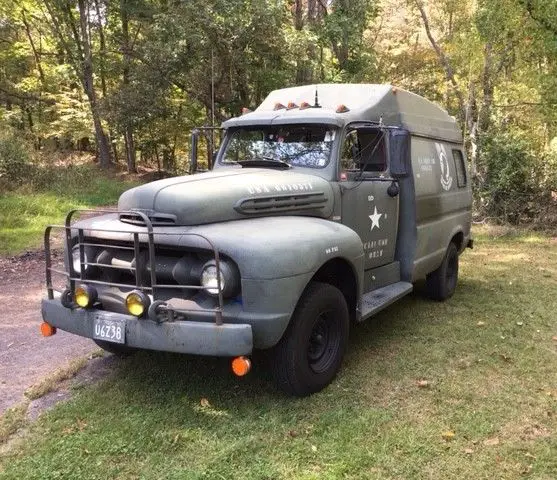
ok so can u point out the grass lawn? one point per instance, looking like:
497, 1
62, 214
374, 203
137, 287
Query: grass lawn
24, 213
465, 389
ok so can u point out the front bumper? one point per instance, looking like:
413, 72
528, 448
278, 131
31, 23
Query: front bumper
199, 338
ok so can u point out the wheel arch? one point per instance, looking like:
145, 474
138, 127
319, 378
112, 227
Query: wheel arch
342, 274
458, 240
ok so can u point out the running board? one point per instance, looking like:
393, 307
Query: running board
376, 300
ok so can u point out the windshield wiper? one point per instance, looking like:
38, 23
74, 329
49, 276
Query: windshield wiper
269, 162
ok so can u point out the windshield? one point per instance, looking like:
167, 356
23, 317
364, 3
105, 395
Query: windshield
297, 145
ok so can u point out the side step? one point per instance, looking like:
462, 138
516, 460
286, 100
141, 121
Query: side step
376, 300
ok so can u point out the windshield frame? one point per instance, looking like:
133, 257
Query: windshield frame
230, 132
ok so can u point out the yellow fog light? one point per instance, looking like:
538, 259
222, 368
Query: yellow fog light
85, 296
137, 303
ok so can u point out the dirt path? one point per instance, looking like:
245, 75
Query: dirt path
25, 356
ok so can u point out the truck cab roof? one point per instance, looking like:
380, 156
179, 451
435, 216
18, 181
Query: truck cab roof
392, 106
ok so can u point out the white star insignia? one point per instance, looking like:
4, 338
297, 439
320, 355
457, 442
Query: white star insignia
375, 219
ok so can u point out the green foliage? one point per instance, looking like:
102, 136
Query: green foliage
49, 193
509, 165
515, 184
159, 69
14, 161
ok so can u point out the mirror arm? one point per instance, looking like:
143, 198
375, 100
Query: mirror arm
194, 143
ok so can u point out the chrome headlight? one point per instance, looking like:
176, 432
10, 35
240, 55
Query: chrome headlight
229, 277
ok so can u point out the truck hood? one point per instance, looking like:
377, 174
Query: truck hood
228, 194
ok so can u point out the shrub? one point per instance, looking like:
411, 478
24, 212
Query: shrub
15, 161
515, 185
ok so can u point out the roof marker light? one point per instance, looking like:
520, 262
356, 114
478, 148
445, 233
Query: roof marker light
304, 105
342, 109
279, 106
291, 106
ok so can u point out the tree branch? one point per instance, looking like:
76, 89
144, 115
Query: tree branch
449, 72
542, 21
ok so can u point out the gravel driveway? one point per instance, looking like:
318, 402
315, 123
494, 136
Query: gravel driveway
25, 356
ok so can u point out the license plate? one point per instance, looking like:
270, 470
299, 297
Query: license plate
109, 330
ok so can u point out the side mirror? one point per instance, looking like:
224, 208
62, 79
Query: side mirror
399, 149
194, 143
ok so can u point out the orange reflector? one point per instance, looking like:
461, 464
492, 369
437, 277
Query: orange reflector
241, 366
47, 330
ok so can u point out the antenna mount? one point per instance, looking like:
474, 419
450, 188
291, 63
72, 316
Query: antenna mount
316, 104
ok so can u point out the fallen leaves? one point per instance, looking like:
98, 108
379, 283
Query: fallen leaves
491, 442
204, 403
423, 383
448, 436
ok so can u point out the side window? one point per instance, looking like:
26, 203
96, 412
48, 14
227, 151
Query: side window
364, 149
460, 168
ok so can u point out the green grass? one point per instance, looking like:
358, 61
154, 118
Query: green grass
489, 409
24, 213
12, 420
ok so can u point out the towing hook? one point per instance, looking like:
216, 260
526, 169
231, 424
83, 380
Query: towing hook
156, 309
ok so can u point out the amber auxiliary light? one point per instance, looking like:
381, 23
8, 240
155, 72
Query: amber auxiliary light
241, 366
85, 296
137, 303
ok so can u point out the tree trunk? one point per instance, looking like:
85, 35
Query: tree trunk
128, 129
33, 48
105, 158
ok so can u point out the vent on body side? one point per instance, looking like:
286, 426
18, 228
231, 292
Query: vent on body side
281, 203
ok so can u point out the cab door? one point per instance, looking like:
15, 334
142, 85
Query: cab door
369, 194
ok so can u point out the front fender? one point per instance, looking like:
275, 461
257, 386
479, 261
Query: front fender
277, 247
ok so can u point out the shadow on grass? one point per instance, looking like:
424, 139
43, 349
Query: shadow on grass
154, 377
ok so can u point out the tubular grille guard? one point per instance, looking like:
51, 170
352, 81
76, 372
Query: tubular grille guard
138, 270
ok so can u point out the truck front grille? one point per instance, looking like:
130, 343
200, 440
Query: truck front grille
157, 219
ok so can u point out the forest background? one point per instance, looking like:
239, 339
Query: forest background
126, 81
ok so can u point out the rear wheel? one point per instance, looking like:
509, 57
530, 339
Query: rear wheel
441, 283
310, 353
116, 348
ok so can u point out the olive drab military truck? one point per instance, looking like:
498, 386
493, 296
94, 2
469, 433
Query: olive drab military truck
323, 207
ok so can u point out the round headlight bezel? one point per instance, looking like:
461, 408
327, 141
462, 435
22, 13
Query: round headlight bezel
229, 276
209, 279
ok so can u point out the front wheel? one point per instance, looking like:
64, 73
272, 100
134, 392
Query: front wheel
441, 283
310, 353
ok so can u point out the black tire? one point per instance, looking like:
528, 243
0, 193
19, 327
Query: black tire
441, 283
116, 348
310, 353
